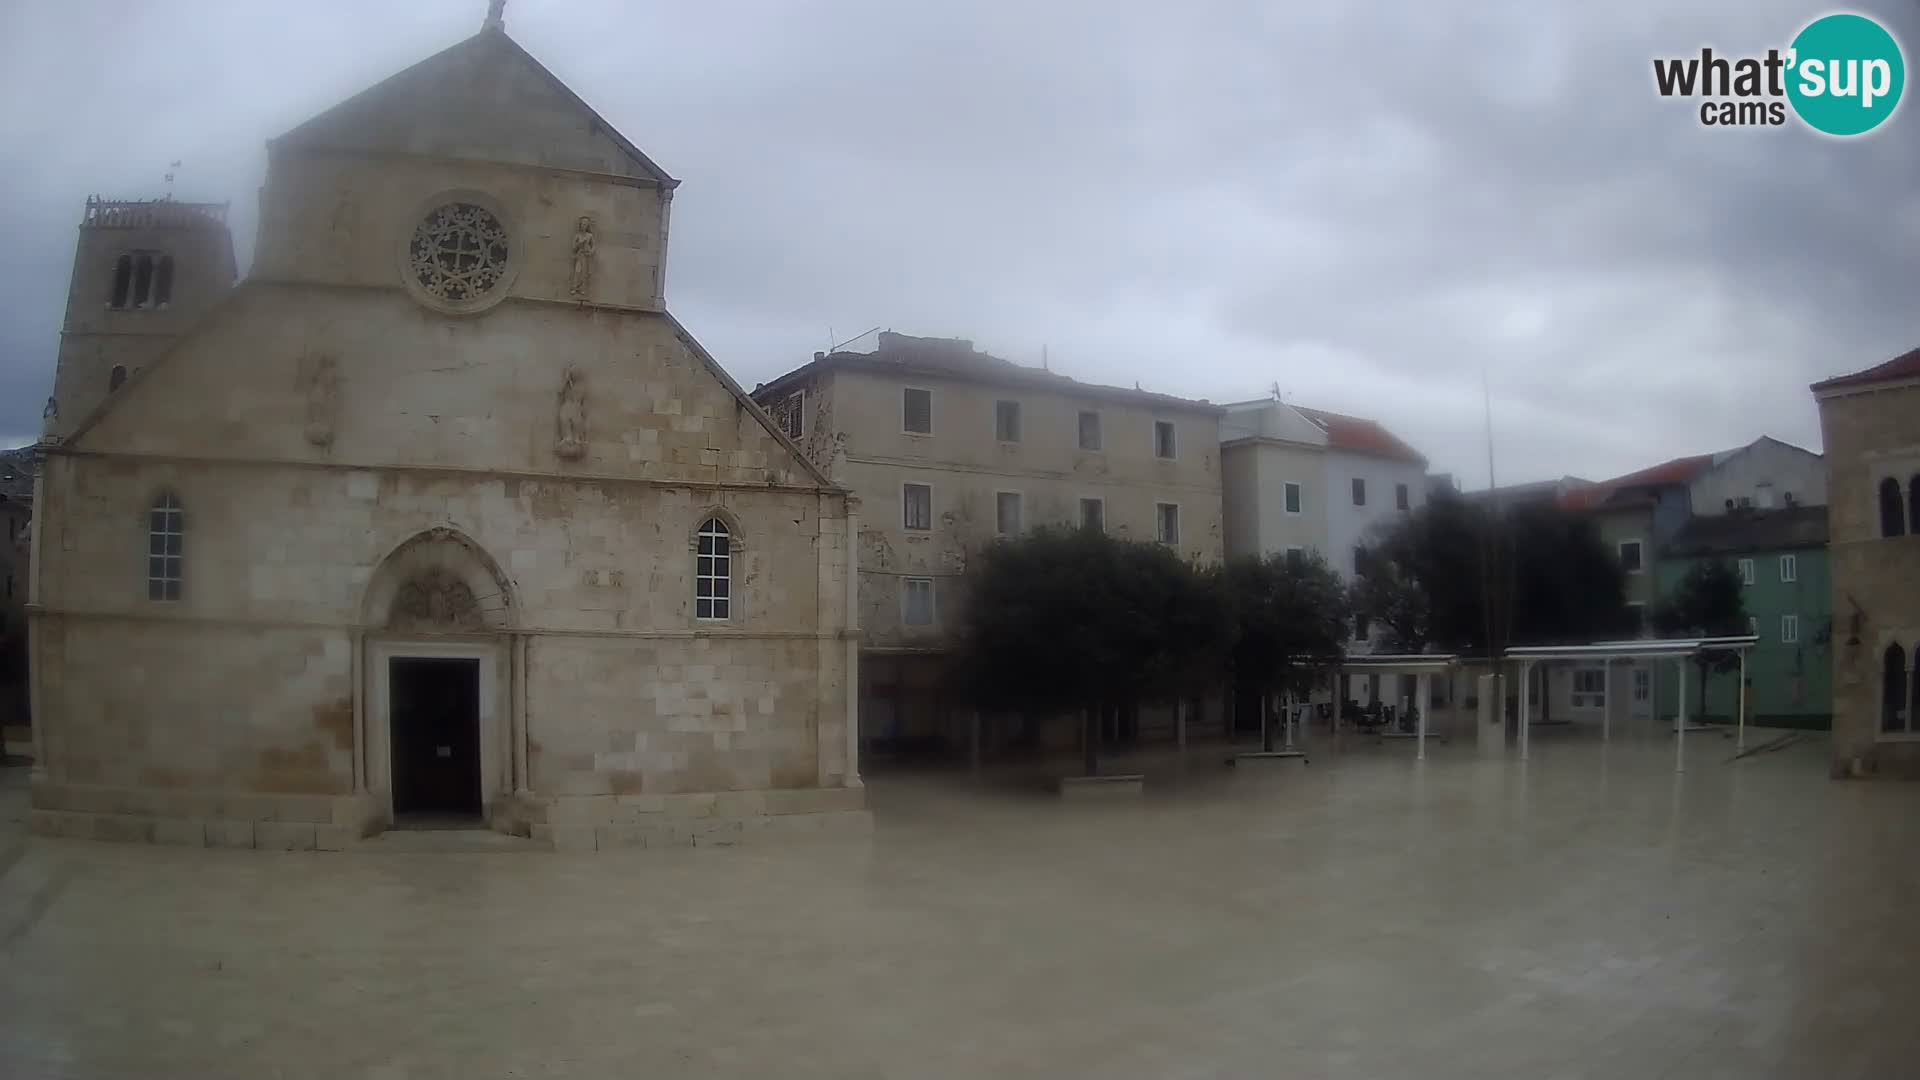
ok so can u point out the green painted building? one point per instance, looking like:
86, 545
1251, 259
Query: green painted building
1782, 559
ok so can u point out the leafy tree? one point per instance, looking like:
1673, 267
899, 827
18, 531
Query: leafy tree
1486, 579
1387, 593
1290, 619
1072, 620
1708, 601
1568, 583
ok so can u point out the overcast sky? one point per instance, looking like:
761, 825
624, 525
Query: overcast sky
1367, 203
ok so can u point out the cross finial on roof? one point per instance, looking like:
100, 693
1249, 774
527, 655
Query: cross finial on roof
496, 15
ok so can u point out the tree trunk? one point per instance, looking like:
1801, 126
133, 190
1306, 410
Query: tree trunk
1089, 763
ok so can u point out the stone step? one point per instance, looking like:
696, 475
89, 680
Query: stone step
416, 841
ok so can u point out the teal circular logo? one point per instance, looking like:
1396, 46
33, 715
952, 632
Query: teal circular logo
1846, 74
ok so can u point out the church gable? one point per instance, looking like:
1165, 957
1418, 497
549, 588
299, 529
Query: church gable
484, 99
291, 374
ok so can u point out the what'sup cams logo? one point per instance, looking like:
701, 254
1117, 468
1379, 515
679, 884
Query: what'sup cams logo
1842, 75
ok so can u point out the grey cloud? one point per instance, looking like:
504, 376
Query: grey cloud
1368, 204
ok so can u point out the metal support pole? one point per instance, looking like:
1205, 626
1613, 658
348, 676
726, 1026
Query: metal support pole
1339, 702
1424, 691
1526, 705
1680, 722
1606, 700
1740, 742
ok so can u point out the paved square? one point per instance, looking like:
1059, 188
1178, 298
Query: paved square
1587, 914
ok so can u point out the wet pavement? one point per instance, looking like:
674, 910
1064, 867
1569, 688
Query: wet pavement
1589, 913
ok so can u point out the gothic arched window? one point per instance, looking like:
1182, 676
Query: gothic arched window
163, 282
713, 571
1892, 514
142, 280
122, 282
166, 534
1894, 716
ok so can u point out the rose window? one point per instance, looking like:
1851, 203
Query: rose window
459, 253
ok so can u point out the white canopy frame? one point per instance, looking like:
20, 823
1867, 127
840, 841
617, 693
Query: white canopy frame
1421, 665
1679, 650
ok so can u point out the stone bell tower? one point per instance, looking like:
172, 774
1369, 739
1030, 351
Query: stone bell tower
143, 272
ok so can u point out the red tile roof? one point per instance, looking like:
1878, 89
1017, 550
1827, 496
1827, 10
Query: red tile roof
1362, 436
1680, 470
1904, 366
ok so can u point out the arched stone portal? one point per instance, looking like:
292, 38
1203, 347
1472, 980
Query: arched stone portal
441, 732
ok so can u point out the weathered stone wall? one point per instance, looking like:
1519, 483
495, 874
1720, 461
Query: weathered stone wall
413, 387
223, 686
618, 716
177, 706
967, 466
346, 219
1876, 581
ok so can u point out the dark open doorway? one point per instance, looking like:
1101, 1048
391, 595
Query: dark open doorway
435, 720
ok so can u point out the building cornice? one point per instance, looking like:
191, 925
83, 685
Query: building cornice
1866, 388
458, 471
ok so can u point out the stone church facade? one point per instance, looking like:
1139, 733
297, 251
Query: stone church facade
438, 515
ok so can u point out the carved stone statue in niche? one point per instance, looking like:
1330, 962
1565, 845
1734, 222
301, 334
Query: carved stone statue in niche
435, 600
322, 393
582, 258
572, 441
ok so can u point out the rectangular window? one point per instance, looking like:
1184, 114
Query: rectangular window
166, 530
916, 411
916, 601
1359, 559
1163, 443
1292, 495
916, 507
1168, 515
1007, 513
1359, 492
1089, 431
1589, 688
1790, 629
1006, 421
793, 413
1402, 498
1631, 559
1789, 568
1296, 556
1093, 514
1746, 571
1642, 685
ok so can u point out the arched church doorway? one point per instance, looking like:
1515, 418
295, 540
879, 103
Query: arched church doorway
438, 745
